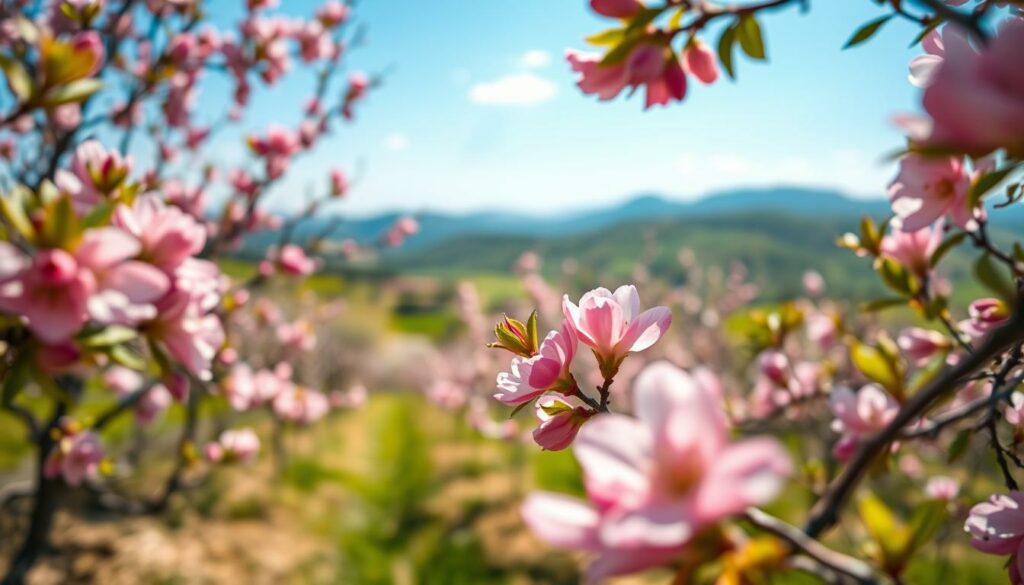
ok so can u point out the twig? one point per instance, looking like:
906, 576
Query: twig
835, 561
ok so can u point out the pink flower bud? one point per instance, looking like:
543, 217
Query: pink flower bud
700, 62
616, 8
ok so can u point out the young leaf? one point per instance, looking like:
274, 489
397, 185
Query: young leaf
867, 31
985, 183
72, 92
749, 33
607, 38
944, 248
873, 364
18, 79
996, 278
725, 45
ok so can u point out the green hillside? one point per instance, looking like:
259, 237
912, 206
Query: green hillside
776, 249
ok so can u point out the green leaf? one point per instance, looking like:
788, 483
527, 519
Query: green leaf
959, 445
73, 92
897, 277
677, 19
607, 38
867, 31
725, 49
882, 304
880, 523
985, 183
996, 278
531, 330
925, 521
17, 377
13, 208
18, 79
99, 215
642, 18
113, 335
944, 248
749, 34
61, 227
619, 53
516, 410
873, 364
924, 32
125, 357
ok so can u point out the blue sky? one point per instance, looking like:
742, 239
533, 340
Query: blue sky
479, 111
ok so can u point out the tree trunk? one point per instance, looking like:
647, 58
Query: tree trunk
44, 507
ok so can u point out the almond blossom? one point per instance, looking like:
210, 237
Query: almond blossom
528, 378
241, 445
859, 415
657, 481
996, 527
612, 325
76, 456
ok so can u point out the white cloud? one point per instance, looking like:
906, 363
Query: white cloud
397, 142
535, 59
522, 89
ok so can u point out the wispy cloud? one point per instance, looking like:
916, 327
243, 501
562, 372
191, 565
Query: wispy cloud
397, 142
521, 89
535, 59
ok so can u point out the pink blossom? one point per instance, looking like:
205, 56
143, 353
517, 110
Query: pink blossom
997, 528
187, 330
821, 328
355, 397
616, 8
89, 46
985, 315
300, 405
860, 414
656, 482
927, 189
234, 445
560, 421
167, 234
292, 260
612, 325
976, 99
51, 294
358, 84
913, 249
924, 67
125, 289
239, 387
332, 13
76, 456
814, 283
650, 65
700, 61
339, 183
1015, 410
528, 378
942, 488
298, 336
920, 345
98, 170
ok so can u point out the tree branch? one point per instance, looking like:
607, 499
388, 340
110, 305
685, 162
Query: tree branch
825, 512
835, 561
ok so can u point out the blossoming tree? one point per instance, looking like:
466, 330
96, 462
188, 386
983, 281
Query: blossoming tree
674, 484
108, 246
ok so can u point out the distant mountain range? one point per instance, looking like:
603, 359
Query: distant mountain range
436, 227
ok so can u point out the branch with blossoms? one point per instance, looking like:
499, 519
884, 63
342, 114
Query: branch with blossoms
655, 479
109, 274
